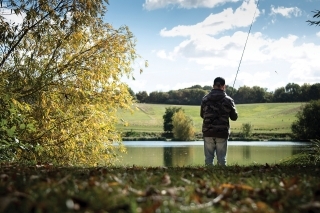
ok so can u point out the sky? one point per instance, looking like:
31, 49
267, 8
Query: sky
191, 42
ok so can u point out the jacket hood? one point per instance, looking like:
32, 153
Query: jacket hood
215, 95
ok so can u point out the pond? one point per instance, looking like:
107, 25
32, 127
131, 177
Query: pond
168, 153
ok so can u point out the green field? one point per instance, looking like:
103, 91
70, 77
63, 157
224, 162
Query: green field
265, 117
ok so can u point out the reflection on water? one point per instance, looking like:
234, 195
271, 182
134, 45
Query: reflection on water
176, 156
160, 153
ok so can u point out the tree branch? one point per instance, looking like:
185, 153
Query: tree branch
316, 15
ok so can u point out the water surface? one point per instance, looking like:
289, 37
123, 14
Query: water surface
190, 153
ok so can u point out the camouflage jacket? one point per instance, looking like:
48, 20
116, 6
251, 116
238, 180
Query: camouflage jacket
216, 109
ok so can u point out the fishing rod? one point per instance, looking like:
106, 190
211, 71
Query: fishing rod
245, 45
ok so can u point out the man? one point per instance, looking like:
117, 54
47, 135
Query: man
216, 109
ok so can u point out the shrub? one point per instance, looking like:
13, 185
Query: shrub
307, 125
183, 128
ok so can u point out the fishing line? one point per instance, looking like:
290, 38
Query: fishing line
245, 44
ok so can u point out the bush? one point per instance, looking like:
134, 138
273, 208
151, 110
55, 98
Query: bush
183, 128
246, 130
307, 125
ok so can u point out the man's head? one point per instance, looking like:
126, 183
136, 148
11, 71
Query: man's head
219, 83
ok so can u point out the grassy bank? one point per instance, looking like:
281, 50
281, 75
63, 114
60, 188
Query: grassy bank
259, 188
158, 136
269, 120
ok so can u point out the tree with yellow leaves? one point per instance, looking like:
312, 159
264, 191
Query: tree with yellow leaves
60, 86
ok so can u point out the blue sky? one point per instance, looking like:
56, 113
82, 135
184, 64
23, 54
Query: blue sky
189, 42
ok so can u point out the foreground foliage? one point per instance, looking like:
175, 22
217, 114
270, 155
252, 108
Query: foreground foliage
259, 188
60, 82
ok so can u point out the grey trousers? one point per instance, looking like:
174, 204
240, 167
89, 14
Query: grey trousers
218, 146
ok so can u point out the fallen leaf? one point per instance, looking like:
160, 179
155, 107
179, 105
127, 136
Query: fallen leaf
311, 207
4, 177
152, 208
165, 180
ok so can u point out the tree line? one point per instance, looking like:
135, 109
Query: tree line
292, 92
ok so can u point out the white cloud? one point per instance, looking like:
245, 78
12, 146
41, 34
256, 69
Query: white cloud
217, 23
226, 51
318, 34
157, 4
255, 79
223, 53
286, 11
162, 54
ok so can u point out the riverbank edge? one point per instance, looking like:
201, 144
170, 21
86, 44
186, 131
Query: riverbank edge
230, 139
143, 136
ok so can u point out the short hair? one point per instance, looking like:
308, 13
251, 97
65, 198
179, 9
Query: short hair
219, 81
